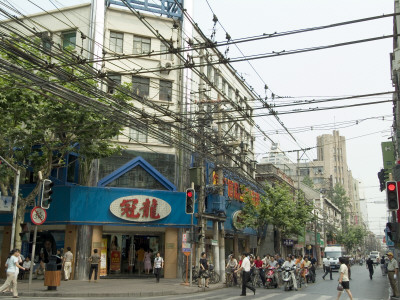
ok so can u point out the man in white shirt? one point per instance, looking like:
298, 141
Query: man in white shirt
246, 274
327, 265
289, 263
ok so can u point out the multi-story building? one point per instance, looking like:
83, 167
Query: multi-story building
178, 119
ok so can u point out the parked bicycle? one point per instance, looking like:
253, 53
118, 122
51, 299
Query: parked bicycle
195, 275
214, 277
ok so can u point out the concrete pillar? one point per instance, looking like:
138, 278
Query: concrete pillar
97, 238
216, 247
171, 253
83, 247
70, 241
236, 246
222, 252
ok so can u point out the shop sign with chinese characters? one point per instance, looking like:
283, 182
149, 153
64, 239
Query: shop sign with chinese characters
140, 208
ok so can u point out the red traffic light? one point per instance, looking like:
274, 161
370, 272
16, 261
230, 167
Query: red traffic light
391, 187
189, 194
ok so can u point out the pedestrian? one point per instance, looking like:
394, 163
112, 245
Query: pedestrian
347, 262
393, 270
12, 266
344, 279
370, 267
158, 265
328, 269
94, 260
246, 274
67, 260
383, 265
27, 264
147, 261
203, 270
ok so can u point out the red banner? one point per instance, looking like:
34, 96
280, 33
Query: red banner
115, 263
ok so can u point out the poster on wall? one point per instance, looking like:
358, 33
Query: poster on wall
115, 262
103, 254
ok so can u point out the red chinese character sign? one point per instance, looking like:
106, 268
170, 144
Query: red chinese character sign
140, 208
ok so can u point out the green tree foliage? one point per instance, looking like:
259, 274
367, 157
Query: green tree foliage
38, 129
277, 207
308, 181
351, 237
342, 202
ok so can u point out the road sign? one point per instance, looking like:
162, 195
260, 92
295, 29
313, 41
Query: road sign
186, 247
38, 215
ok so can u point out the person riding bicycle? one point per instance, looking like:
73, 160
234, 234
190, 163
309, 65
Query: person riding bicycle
258, 263
232, 265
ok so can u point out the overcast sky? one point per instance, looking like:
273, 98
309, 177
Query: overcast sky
351, 70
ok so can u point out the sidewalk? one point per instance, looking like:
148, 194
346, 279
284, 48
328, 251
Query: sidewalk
111, 288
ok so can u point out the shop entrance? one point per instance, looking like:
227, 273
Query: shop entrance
130, 254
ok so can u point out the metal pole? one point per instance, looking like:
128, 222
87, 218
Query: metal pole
32, 257
14, 221
192, 242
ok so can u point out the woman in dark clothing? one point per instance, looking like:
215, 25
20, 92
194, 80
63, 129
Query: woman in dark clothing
203, 270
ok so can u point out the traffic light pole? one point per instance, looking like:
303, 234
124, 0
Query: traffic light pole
16, 191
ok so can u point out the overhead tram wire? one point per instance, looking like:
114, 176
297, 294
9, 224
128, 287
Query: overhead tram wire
233, 159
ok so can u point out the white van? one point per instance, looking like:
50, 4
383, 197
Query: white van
334, 252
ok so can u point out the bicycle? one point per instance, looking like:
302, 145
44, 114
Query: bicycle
229, 277
214, 277
195, 275
256, 280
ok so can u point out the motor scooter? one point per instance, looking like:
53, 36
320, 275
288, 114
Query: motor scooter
287, 278
271, 278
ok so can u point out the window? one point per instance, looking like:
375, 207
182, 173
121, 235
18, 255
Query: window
166, 133
68, 39
141, 45
137, 136
116, 42
116, 80
210, 72
167, 56
216, 78
46, 40
223, 86
140, 85
165, 90
230, 92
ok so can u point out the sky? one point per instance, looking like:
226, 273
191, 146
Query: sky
350, 70
343, 71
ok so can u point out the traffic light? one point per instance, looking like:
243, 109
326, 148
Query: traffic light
46, 193
383, 176
190, 201
391, 195
197, 234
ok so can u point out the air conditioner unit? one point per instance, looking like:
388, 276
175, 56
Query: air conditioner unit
165, 68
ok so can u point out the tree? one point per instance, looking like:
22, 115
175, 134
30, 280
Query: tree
277, 207
342, 202
351, 237
308, 182
38, 129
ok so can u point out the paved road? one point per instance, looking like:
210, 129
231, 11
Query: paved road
361, 286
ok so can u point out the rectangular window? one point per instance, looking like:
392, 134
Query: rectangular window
141, 85
223, 86
137, 136
216, 78
141, 45
165, 90
210, 72
166, 132
164, 49
68, 39
116, 41
230, 92
115, 81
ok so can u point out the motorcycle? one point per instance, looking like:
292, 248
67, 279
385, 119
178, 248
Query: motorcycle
287, 278
271, 278
311, 275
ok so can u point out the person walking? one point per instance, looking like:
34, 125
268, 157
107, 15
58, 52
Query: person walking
67, 260
158, 265
383, 266
327, 265
344, 279
203, 270
246, 274
94, 260
12, 266
370, 267
147, 261
393, 270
